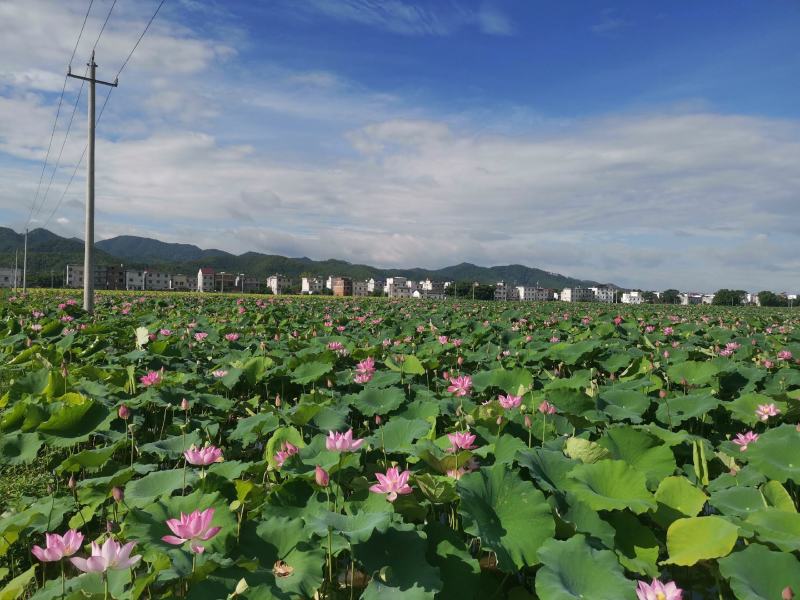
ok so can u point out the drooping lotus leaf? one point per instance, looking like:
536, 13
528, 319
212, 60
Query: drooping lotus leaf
510, 515
677, 497
574, 570
776, 527
642, 450
776, 454
675, 409
694, 539
459, 570
610, 485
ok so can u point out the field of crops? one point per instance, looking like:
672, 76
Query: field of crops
274, 447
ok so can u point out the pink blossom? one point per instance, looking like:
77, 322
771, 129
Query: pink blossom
555, 339
231, 337
457, 342
744, 440
461, 440
784, 355
617, 320
282, 455
219, 373
460, 386
366, 366
165, 332
335, 346
200, 336
362, 378
668, 331
442, 339
111, 555
342, 442
321, 476
193, 528
546, 408
202, 457
58, 546
768, 364
765, 411
725, 352
123, 412
658, 591
152, 378
393, 483
649, 329
509, 402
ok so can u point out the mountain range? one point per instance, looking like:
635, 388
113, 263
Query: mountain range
49, 253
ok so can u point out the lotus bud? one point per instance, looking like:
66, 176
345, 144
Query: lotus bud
277, 401
460, 360
118, 494
787, 593
241, 587
528, 422
499, 420
662, 394
378, 420
321, 476
124, 412
71, 482
184, 404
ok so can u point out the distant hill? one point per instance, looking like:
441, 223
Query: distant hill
48, 251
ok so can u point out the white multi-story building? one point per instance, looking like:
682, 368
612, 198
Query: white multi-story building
10, 277
689, 298
246, 285
360, 288
502, 292
533, 294
577, 294
147, 280
278, 283
311, 285
205, 279
375, 285
397, 290
604, 293
632, 297
179, 282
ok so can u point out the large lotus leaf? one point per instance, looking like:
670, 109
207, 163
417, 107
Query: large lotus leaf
636, 546
744, 407
588, 521
737, 501
256, 368
395, 559
573, 570
378, 401
692, 372
694, 539
610, 485
642, 450
549, 468
677, 497
406, 365
573, 353
172, 447
356, 528
674, 410
436, 488
776, 527
19, 448
91, 460
311, 371
776, 496
512, 381
248, 429
624, 404
460, 572
757, 573
74, 423
510, 515
141, 492
506, 447
777, 453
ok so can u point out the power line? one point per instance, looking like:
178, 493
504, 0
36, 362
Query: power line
74, 108
103, 107
55, 121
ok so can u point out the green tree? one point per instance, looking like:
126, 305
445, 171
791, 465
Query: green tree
650, 297
767, 298
670, 296
726, 297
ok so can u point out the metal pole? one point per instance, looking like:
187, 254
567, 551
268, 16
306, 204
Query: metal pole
16, 268
88, 258
25, 264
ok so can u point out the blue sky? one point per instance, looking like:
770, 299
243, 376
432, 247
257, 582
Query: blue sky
650, 144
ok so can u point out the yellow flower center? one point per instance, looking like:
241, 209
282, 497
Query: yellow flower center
660, 596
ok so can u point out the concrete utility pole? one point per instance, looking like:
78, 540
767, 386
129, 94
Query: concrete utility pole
25, 263
88, 252
16, 269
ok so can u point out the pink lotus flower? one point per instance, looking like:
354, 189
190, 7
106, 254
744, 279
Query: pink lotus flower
658, 591
200, 336
335, 346
342, 442
765, 411
366, 366
555, 339
152, 378
231, 337
546, 408
461, 440
111, 555
617, 320
768, 364
321, 476
219, 373
124, 412
363, 378
460, 386
165, 332
784, 355
202, 457
393, 483
668, 331
509, 402
443, 339
193, 528
287, 450
744, 440
457, 342
58, 546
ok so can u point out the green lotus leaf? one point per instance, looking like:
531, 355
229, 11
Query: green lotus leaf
610, 485
141, 492
356, 528
75, 423
642, 450
776, 527
744, 407
547, 467
776, 496
693, 539
737, 501
674, 410
459, 571
677, 497
757, 573
624, 404
19, 448
573, 570
585, 450
510, 515
776, 454
311, 371
692, 372
378, 401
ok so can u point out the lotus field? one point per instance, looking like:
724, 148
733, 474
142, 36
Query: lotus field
217, 447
